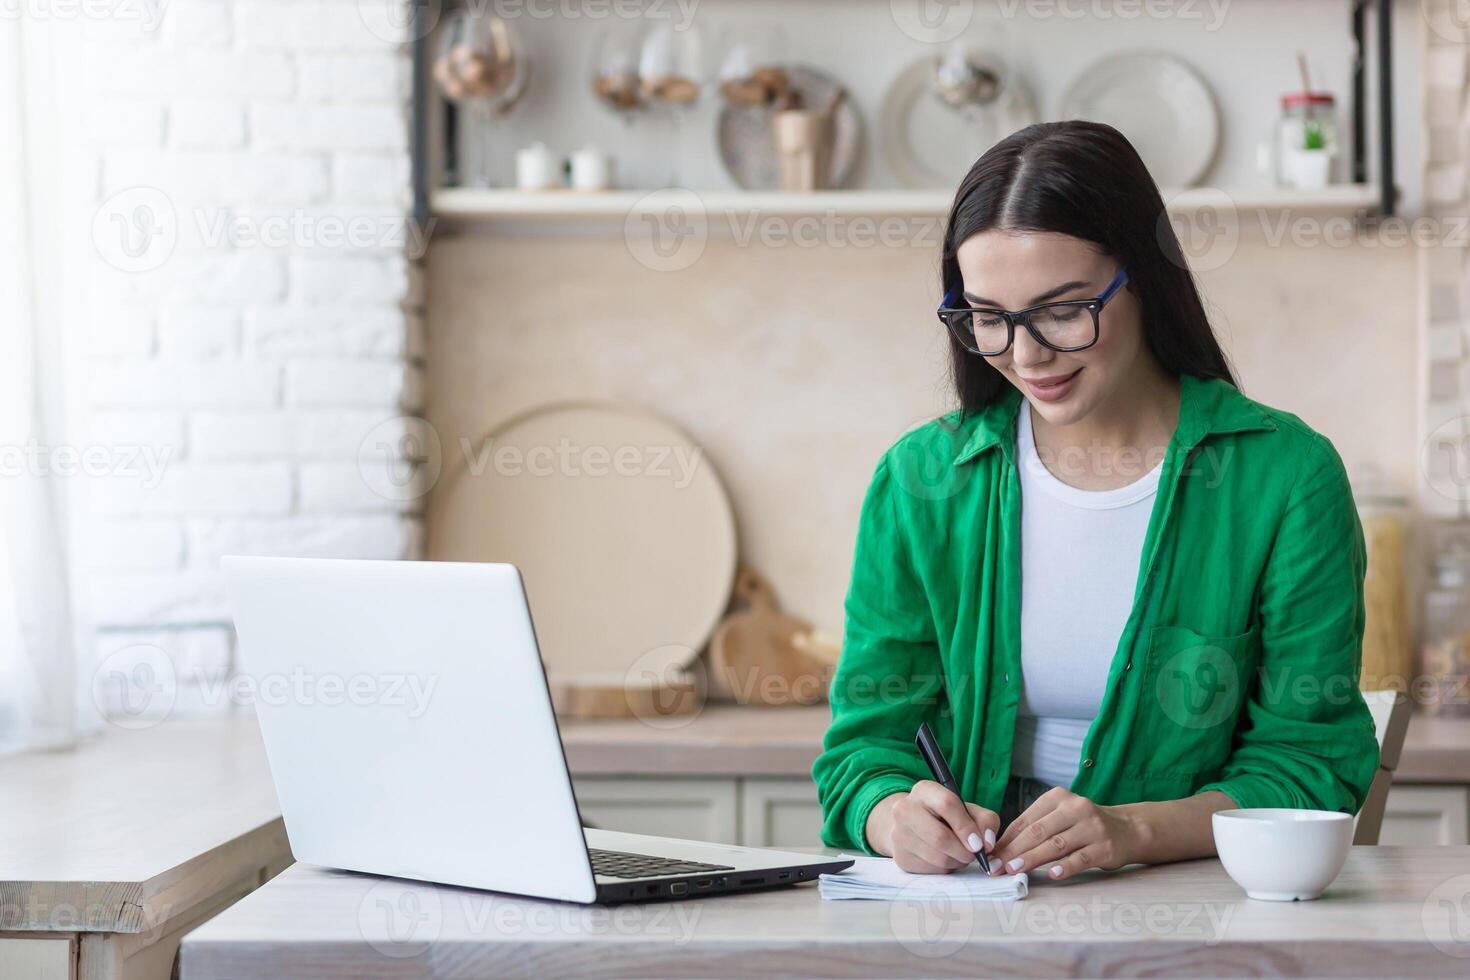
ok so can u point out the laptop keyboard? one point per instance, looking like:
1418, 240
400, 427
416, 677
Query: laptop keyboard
616, 864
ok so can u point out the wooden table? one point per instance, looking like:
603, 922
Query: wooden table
111, 851
1392, 912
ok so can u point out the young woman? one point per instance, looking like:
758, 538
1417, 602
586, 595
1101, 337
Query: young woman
1122, 594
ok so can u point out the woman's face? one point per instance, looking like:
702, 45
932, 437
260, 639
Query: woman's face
1013, 270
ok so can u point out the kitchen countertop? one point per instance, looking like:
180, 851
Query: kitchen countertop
1394, 911
112, 835
721, 740
1436, 750
134, 826
738, 740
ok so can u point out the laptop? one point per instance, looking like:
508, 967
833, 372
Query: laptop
409, 728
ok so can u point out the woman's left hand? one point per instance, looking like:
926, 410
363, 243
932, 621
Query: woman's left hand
1069, 832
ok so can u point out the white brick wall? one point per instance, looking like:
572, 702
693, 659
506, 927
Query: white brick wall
1445, 316
232, 382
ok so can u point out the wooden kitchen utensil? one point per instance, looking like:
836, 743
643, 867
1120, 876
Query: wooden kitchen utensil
624, 535
760, 655
803, 141
744, 137
679, 695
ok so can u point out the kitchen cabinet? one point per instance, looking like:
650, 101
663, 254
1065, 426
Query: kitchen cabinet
783, 811
1425, 814
744, 775
701, 809
759, 812
779, 813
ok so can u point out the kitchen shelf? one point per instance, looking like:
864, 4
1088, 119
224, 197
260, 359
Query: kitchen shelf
459, 203
1347, 200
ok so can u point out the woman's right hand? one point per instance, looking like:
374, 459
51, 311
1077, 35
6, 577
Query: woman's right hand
929, 830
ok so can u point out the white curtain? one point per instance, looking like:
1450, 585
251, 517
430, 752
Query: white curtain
38, 682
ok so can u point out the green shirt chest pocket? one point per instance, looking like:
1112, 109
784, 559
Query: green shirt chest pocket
1194, 691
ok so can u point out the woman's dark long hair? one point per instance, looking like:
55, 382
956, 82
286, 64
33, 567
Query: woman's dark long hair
1085, 180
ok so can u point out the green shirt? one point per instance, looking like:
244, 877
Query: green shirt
1237, 668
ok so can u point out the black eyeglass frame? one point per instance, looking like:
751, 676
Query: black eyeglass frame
1093, 306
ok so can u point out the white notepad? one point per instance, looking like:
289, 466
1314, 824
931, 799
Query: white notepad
873, 877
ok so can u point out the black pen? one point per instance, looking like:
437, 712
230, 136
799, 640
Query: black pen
929, 749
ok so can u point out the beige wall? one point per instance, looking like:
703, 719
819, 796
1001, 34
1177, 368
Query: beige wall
796, 366
1329, 333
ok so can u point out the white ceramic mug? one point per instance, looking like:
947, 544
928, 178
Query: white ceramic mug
591, 169
537, 168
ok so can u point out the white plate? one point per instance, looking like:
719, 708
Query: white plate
930, 145
1160, 103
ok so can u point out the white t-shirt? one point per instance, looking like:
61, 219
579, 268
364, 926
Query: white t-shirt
1080, 552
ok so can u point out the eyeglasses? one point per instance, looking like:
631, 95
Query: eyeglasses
1065, 326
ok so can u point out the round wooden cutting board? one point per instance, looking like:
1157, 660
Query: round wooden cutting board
622, 531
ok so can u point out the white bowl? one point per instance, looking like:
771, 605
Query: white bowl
1283, 855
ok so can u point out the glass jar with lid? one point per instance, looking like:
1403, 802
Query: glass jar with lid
1388, 656
1445, 651
1306, 139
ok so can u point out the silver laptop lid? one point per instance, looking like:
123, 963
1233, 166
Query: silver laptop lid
407, 721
